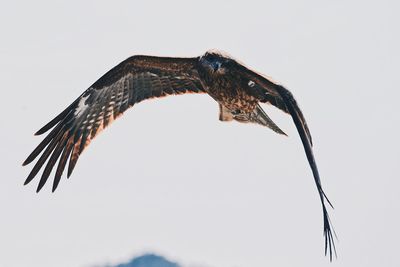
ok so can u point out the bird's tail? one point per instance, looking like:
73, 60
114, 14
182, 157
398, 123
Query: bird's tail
260, 117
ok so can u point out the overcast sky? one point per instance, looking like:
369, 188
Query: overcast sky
168, 176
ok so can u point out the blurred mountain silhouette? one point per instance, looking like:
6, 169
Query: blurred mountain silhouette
148, 260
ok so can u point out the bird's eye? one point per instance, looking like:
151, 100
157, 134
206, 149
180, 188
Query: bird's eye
211, 57
236, 112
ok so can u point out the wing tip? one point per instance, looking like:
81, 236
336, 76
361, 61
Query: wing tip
30, 158
69, 173
27, 181
330, 235
53, 189
39, 188
71, 166
327, 200
40, 132
306, 139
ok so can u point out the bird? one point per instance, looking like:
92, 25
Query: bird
237, 89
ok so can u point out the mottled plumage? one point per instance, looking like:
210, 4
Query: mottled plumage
238, 91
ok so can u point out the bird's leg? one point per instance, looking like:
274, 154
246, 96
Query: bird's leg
224, 113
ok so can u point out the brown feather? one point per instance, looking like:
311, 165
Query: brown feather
53, 159
42, 145
43, 158
74, 157
57, 119
63, 160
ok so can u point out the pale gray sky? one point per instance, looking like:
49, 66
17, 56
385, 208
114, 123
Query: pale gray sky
168, 176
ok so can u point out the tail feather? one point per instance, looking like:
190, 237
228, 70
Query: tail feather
259, 116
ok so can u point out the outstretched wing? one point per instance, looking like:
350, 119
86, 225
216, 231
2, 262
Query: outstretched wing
305, 136
269, 92
133, 80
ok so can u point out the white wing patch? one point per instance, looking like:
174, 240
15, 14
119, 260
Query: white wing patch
251, 83
81, 105
153, 75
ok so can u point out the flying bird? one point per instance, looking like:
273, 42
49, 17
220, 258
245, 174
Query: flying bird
237, 90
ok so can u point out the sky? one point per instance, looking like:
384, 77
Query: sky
168, 176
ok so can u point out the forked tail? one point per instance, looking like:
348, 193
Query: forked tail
260, 117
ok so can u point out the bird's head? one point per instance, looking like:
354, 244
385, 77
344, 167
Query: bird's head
215, 62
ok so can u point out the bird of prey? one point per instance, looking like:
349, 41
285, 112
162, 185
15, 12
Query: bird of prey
237, 90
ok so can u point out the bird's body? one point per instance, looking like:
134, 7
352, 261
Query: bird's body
223, 79
238, 91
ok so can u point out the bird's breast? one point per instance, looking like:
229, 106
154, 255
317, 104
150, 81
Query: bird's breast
233, 98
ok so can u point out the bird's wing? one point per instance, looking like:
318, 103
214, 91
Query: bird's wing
305, 136
270, 92
133, 80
